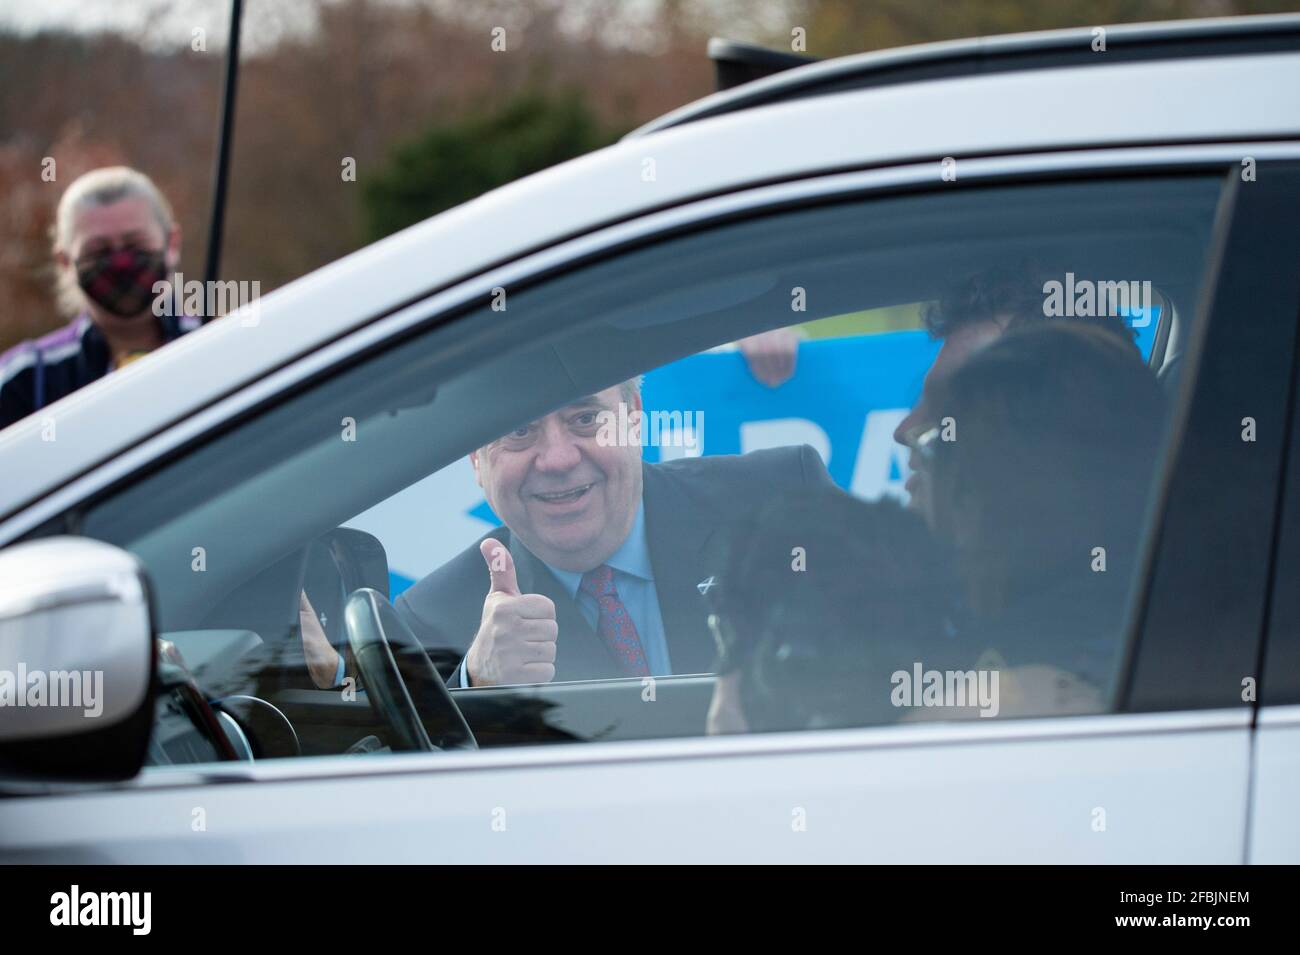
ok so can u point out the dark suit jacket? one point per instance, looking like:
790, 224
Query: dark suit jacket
690, 504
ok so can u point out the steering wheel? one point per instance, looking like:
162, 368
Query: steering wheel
401, 682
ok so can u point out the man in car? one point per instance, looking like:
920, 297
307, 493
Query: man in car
599, 568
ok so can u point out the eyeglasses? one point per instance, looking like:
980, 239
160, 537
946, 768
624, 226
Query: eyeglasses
926, 443
922, 439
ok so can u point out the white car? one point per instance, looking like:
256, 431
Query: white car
189, 499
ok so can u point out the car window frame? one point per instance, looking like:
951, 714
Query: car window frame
1255, 239
447, 306
1279, 662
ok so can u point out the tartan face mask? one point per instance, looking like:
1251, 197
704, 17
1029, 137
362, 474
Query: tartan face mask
121, 281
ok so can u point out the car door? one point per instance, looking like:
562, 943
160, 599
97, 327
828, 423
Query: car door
1158, 767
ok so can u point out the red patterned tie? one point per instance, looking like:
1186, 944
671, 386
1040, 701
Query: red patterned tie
614, 625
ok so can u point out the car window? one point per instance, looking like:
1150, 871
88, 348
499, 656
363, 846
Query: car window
598, 524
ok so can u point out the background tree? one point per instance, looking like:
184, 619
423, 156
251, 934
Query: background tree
455, 161
411, 90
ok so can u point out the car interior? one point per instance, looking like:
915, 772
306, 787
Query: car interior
228, 559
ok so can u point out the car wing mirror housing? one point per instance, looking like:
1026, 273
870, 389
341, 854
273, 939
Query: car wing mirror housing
77, 662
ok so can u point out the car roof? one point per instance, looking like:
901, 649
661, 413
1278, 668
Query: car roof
1209, 99
1221, 36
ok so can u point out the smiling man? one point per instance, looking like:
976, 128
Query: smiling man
599, 568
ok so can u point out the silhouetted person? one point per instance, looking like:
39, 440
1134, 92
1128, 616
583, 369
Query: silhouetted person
821, 604
1041, 488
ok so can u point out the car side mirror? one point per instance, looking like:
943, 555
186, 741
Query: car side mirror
77, 662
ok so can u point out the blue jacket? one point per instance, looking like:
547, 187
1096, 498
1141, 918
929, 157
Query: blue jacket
35, 373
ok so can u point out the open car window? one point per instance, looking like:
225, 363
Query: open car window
939, 516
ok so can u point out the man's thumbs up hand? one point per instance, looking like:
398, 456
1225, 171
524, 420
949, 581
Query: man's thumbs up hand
516, 639
501, 568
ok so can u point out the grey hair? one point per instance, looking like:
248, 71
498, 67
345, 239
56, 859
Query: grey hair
630, 390
100, 187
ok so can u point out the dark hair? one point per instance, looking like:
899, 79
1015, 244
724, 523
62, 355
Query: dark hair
1011, 296
817, 646
1056, 428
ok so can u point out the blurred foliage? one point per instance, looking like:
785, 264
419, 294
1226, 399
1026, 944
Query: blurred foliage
841, 27
357, 83
892, 318
455, 161
411, 91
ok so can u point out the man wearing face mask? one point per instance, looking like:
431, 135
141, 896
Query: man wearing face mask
115, 238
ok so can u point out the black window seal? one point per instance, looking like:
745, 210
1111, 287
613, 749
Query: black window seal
1200, 626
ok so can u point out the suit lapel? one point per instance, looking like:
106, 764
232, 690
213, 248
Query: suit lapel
682, 543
